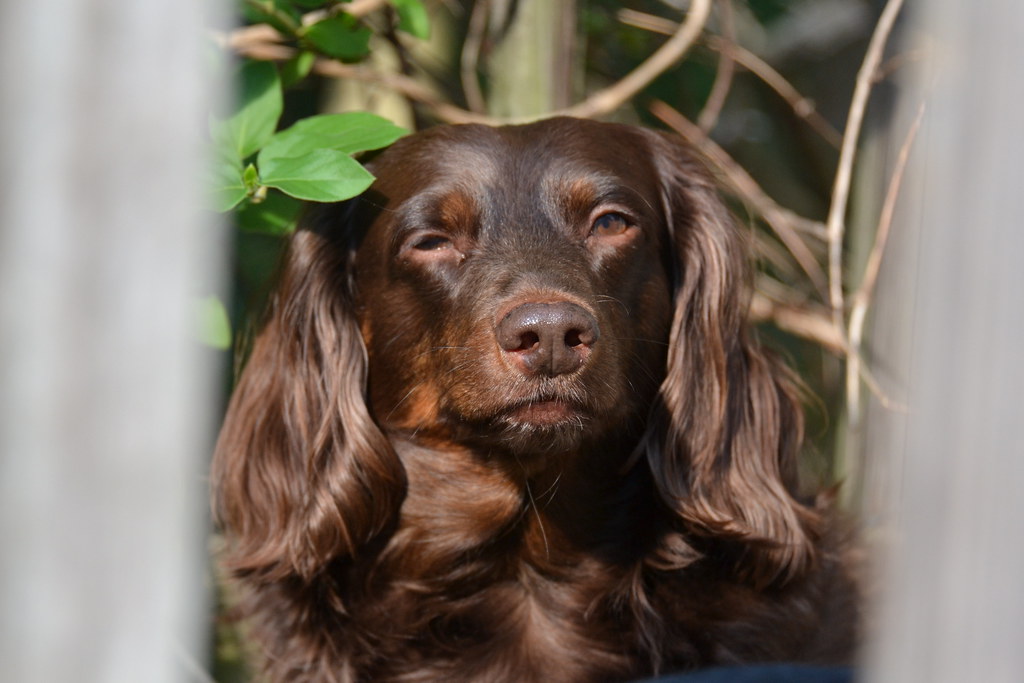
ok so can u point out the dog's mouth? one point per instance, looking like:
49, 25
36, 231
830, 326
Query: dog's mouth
544, 412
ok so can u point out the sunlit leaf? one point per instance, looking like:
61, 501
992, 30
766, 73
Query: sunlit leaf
225, 187
260, 107
350, 133
323, 175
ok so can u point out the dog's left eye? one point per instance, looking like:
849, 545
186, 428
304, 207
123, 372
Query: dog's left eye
610, 224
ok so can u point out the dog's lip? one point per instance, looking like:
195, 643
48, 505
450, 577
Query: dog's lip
547, 410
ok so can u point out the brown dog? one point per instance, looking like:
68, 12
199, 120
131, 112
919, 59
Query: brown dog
504, 424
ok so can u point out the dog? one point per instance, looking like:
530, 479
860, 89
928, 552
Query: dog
505, 422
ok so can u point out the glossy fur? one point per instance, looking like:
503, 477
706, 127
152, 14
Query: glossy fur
412, 491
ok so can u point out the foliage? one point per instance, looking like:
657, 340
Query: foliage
258, 171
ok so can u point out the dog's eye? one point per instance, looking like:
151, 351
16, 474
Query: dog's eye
431, 243
609, 225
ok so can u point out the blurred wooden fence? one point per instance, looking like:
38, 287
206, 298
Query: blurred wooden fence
945, 480
105, 400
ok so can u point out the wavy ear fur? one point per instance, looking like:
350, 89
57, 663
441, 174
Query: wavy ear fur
301, 474
725, 461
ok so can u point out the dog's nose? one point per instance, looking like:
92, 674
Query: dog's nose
548, 338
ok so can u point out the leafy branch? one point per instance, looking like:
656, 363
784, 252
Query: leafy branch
809, 302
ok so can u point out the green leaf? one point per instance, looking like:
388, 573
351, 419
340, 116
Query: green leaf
251, 178
259, 109
275, 215
350, 133
310, 4
297, 68
412, 18
212, 326
225, 185
323, 175
278, 13
339, 36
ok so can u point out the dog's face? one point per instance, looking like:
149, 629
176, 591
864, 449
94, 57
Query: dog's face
512, 301
512, 284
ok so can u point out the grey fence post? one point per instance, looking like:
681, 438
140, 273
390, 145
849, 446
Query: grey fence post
950, 328
105, 400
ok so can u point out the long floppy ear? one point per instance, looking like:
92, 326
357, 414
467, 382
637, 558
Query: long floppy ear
302, 475
726, 461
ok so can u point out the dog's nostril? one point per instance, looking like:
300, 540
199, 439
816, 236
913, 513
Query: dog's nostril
572, 338
528, 340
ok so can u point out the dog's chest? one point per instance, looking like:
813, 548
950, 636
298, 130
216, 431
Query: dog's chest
530, 629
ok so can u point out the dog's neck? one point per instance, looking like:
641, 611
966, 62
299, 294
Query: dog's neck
577, 507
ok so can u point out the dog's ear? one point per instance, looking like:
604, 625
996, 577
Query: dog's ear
302, 475
725, 460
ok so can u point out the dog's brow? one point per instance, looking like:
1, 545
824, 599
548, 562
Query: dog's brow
445, 206
580, 193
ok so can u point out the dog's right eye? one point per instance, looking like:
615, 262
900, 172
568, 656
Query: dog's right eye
431, 243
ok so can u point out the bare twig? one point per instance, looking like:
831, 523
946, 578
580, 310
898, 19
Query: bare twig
897, 62
863, 295
404, 85
804, 322
802, 106
836, 222
247, 37
470, 57
782, 221
708, 116
855, 368
609, 99
360, 8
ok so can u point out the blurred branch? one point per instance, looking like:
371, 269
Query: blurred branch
708, 116
782, 221
260, 43
802, 321
836, 222
802, 106
861, 300
612, 97
404, 85
246, 36
469, 59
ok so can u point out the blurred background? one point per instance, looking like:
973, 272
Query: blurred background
870, 151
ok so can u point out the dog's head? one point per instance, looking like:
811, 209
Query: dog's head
562, 290
513, 285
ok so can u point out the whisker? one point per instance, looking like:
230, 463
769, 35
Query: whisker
540, 522
403, 399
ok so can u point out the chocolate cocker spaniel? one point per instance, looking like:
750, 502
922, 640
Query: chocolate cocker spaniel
504, 423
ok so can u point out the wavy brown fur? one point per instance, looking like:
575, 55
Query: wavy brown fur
407, 498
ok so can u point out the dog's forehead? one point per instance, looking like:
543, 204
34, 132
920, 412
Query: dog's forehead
547, 159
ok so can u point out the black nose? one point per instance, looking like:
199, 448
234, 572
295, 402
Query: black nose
548, 338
